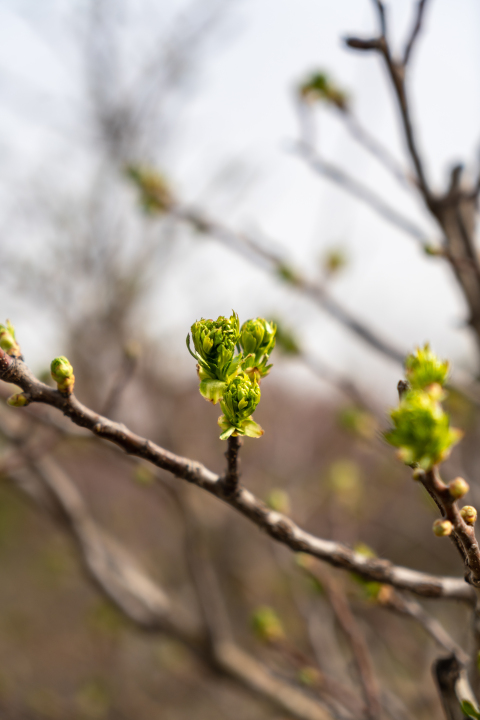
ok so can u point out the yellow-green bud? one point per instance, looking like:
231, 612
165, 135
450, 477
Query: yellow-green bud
442, 528
62, 373
7, 340
309, 676
469, 514
266, 625
418, 474
278, 499
458, 488
18, 400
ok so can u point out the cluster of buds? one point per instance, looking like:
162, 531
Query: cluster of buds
8, 342
62, 373
319, 87
155, 193
231, 361
421, 428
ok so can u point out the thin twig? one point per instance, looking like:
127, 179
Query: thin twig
232, 476
415, 31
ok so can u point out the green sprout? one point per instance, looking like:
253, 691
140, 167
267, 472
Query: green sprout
267, 625
424, 368
215, 343
257, 340
421, 428
319, 87
239, 401
62, 373
8, 342
155, 193
230, 364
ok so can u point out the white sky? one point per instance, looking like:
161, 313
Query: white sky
242, 116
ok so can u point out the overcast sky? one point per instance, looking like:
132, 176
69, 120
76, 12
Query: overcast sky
241, 119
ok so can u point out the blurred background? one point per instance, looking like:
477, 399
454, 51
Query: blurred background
207, 93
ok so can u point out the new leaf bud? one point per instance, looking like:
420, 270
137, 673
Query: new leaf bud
469, 514
62, 373
18, 400
424, 368
266, 625
458, 488
442, 528
8, 342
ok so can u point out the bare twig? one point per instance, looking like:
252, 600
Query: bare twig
464, 534
415, 31
119, 577
275, 524
363, 660
397, 602
232, 476
361, 192
270, 261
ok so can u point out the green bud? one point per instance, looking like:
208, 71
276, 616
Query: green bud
319, 87
18, 400
257, 339
334, 260
8, 342
155, 193
421, 430
286, 341
442, 528
279, 500
418, 474
214, 349
424, 368
309, 676
62, 373
359, 422
266, 625
458, 488
469, 514
241, 397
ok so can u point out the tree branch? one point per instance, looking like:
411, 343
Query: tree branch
415, 31
275, 524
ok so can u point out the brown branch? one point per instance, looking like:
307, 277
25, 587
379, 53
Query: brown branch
415, 31
270, 261
361, 654
275, 524
397, 602
232, 476
463, 533
363, 193
117, 575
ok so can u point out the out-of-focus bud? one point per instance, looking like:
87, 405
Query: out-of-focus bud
319, 87
334, 260
309, 676
155, 193
266, 625
18, 400
422, 429
359, 422
279, 500
424, 368
442, 528
418, 474
458, 488
469, 514
8, 342
286, 341
62, 373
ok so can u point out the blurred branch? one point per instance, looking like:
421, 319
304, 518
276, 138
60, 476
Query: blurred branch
415, 31
267, 259
361, 192
356, 640
275, 524
143, 602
